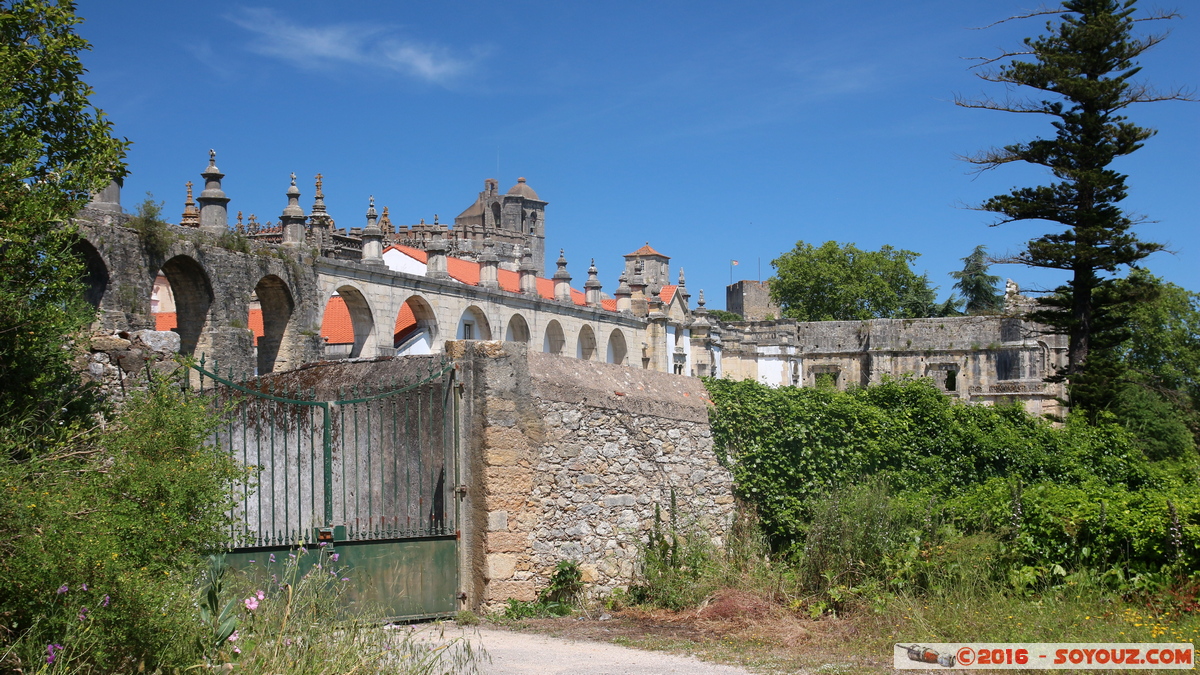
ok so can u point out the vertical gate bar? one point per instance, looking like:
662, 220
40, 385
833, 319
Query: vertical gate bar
420, 467
274, 485
312, 454
430, 529
245, 469
454, 397
407, 465
367, 405
358, 484
395, 466
258, 463
287, 498
327, 446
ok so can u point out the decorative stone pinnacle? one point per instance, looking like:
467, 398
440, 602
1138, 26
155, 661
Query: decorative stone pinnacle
212, 157
681, 283
320, 194
293, 179
700, 301
189, 193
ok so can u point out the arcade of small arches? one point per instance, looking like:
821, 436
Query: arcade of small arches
268, 313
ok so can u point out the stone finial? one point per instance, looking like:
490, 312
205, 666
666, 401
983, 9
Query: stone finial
385, 222
436, 266
591, 288
489, 266
292, 218
562, 279
682, 291
318, 208
623, 294
191, 215
700, 301
241, 227
372, 238
528, 272
252, 224
214, 216
681, 281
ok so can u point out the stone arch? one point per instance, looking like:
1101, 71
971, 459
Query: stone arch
192, 296
95, 272
347, 305
585, 345
473, 325
617, 350
554, 340
416, 327
518, 329
269, 320
496, 215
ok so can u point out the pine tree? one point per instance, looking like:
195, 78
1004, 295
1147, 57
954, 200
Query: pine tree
977, 286
1082, 73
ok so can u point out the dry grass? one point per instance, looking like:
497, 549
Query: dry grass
743, 628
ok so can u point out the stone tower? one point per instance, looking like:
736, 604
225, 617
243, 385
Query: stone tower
517, 218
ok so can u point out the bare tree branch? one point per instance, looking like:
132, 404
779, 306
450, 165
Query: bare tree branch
1041, 11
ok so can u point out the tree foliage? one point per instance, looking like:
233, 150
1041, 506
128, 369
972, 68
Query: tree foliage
56, 149
977, 286
842, 282
1082, 74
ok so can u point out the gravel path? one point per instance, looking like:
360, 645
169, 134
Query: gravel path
527, 654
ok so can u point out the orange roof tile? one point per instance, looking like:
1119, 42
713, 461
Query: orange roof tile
646, 250
667, 292
336, 326
256, 324
165, 321
406, 324
610, 305
468, 273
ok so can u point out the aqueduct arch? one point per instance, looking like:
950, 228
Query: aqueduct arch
193, 295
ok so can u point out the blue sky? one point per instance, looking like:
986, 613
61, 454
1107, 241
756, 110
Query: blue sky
715, 131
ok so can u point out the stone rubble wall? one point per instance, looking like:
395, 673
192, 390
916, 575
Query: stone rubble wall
572, 458
120, 363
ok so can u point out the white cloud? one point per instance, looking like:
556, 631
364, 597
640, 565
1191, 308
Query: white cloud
330, 46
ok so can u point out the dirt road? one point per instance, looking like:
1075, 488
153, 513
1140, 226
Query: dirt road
527, 654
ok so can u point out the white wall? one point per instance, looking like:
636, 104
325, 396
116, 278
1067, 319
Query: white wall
398, 261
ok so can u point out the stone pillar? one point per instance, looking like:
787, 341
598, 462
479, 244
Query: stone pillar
292, 218
591, 288
623, 294
562, 279
435, 264
213, 214
637, 300
489, 266
528, 273
372, 239
108, 200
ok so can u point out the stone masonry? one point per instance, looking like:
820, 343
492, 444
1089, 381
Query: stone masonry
572, 459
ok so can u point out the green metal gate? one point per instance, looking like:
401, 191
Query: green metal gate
372, 473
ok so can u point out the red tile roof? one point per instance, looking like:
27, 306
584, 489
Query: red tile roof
646, 250
610, 305
256, 324
468, 273
336, 326
406, 324
667, 292
165, 321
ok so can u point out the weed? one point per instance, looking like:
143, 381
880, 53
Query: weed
154, 232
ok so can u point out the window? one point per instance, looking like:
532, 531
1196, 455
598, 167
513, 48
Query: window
468, 331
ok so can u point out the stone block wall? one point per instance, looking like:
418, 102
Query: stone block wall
119, 363
568, 459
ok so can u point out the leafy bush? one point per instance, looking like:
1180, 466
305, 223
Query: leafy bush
154, 232
558, 598
1075, 496
102, 535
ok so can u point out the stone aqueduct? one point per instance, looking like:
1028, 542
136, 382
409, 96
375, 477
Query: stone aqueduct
214, 280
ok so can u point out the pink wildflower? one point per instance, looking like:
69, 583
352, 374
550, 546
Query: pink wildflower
233, 637
260, 595
251, 603
50, 649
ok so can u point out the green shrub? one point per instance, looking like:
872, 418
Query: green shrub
1076, 496
103, 534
